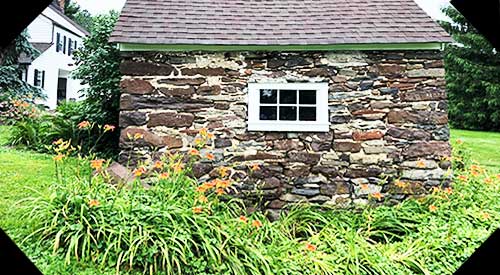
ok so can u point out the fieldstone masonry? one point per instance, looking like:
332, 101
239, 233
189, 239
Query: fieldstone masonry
388, 115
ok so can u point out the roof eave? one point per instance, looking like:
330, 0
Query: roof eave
130, 47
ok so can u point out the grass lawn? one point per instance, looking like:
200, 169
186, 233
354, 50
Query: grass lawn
484, 146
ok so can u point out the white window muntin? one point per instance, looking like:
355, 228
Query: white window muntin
321, 124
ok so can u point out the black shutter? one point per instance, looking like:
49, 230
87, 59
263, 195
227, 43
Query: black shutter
76, 46
43, 79
70, 46
58, 45
64, 45
35, 81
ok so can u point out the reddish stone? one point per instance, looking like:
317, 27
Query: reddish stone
297, 170
409, 134
370, 135
178, 92
209, 90
428, 149
367, 112
129, 67
203, 71
126, 102
304, 157
200, 169
424, 95
418, 117
271, 183
136, 86
288, 144
150, 138
347, 146
276, 204
215, 124
390, 69
170, 119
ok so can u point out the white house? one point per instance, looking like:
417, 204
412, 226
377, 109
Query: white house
56, 36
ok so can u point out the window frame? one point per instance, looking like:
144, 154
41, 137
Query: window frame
321, 124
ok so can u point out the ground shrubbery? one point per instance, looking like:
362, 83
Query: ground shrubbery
180, 226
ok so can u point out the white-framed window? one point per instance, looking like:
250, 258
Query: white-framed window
288, 107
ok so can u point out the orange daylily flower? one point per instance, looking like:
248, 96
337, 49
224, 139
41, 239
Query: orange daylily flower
257, 223
255, 167
220, 191
223, 183
377, 195
448, 190
158, 165
83, 125
96, 164
498, 176
93, 203
58, 157
243, 219
210, 135
197, 210
486, 215
364, 187
311, 247
488, 180
462, 177
459, 141
163, 176
139, 171
109, 128
203, 199
194, 152
210, 156
420, 164
433, 208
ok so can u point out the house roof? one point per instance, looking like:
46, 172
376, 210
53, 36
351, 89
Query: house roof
275, 22
58, 10
41, 47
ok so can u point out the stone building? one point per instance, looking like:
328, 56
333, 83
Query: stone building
338, 101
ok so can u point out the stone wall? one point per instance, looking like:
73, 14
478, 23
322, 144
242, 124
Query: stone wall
389, 136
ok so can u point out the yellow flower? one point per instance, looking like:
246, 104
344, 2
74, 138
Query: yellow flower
420, 164
203, 132
108, 128
96, 164
223, 171
311, 247
400, 184
198, 141
203, 199
433, 208
83, 125
93, 203
59, 157
257, 223
138, 136
58, 142
459, 141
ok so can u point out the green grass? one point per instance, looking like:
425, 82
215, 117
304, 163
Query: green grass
484, 146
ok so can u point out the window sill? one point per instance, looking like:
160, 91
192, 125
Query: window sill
280, 126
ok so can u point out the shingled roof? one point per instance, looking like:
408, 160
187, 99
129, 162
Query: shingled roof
275, 22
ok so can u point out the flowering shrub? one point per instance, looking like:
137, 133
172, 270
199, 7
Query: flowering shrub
164, 221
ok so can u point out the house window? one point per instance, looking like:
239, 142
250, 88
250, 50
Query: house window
70, 47
59, 42
39, 79
291, 107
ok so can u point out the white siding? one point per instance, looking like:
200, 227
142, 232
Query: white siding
40, 30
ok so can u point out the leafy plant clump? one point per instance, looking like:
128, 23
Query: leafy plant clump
164, 221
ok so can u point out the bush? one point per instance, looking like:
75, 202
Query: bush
165, 221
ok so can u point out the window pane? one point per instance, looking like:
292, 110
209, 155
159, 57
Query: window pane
307, 114
288, 113
307, 97
268, 96
288, 97
268, 113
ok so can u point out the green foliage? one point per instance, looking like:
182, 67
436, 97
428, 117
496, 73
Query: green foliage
473, 82
81, 16
99, 63
12, 87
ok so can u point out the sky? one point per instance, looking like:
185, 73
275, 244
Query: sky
432, 7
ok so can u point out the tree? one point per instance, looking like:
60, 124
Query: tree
11, 84
99, 68
473, 76
81, 16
